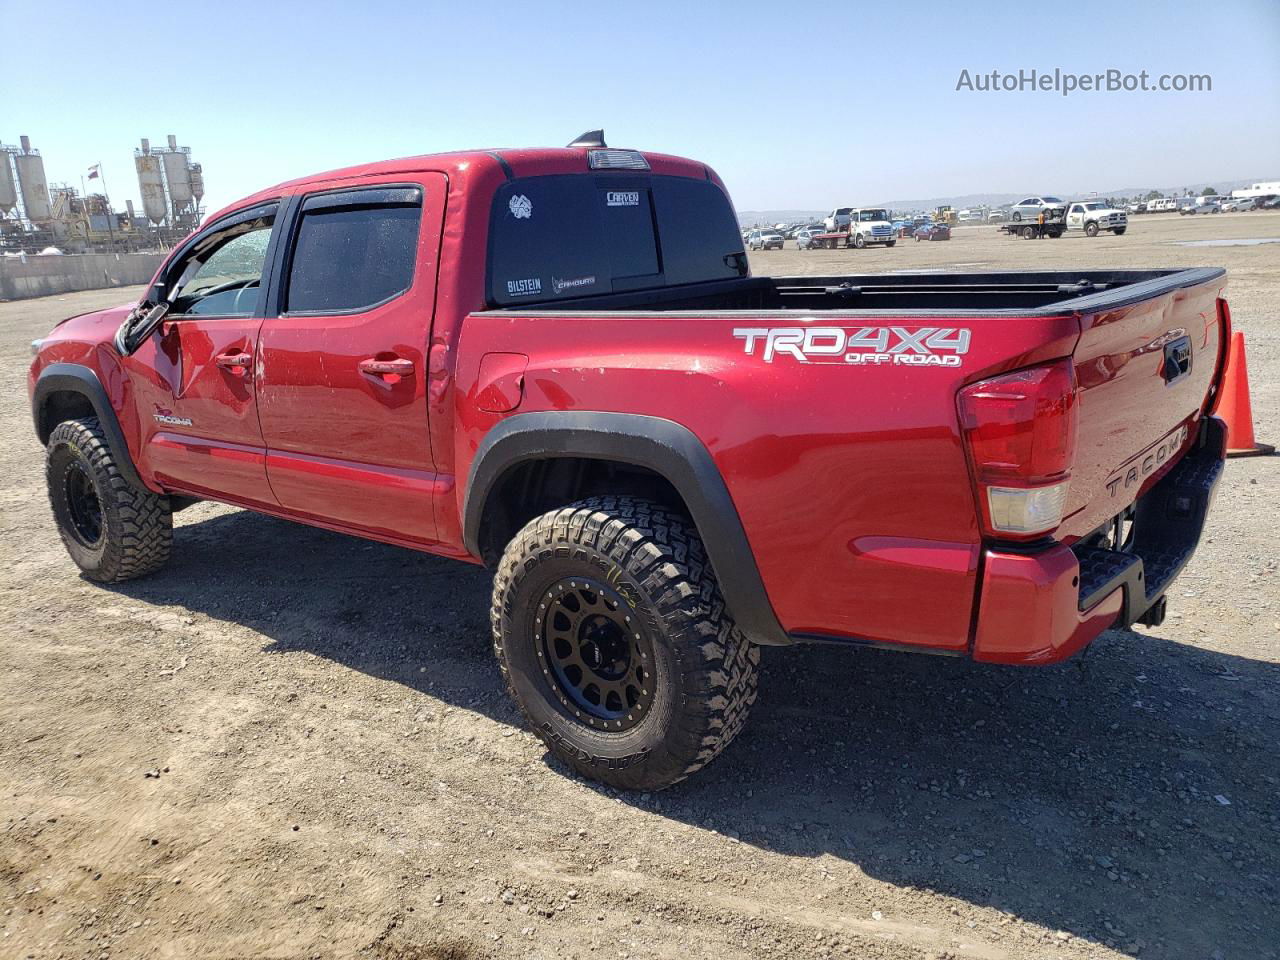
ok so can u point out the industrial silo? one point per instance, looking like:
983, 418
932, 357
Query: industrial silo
177, 171
8, 187
150, 183
35, 191
197, 181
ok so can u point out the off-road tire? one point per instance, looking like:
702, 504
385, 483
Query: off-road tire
136, 525
706, 671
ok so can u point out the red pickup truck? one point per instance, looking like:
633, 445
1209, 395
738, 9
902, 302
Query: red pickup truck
556, 362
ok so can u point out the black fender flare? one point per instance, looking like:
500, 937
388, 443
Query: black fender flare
75, 378
663, 446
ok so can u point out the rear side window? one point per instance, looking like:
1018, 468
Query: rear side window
354, 252
575, 235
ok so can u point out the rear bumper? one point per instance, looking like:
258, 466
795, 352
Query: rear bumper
1044, 606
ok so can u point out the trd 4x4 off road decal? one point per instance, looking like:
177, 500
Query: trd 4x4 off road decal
924, 347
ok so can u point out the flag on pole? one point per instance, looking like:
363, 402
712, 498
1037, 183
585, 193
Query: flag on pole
94, 171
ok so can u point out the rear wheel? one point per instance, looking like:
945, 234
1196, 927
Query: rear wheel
1017, 217
612, 635
113, 530
1029, 232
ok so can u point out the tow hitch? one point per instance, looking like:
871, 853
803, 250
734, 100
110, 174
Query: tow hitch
1155, 615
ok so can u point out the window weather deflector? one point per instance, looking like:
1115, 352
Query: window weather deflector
371, 197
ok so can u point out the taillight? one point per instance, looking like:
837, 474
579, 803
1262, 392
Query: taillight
1020, 430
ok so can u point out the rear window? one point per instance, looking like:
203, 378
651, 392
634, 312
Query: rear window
352, 258
576, 235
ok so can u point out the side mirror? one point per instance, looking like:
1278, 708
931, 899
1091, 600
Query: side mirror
138, 326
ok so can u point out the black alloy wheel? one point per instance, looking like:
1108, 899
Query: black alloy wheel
596, 655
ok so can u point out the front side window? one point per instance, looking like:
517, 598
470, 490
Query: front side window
222, 275
355, 255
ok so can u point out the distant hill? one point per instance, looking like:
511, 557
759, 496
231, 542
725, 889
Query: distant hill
750, 218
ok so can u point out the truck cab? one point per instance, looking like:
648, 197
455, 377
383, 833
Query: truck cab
868, 225
1096, 216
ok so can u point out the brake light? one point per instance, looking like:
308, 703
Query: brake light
1020, 431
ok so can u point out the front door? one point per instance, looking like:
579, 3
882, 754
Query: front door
1075, 219
343, 392
194, 374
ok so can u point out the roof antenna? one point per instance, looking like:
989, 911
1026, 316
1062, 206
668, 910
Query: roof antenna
592, 138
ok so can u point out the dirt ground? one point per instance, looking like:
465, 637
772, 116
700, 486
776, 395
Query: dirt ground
293, 744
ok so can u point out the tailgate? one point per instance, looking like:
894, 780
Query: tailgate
1144, 372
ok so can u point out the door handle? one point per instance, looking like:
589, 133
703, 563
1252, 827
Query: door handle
238, 362
399, 367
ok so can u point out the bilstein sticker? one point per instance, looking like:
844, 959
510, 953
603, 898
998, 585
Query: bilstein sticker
622, 198
524, 288
521, 207
862, 346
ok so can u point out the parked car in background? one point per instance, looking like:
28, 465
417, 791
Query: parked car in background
1030, 208
970, 216
1095, 216
837, 220
804, 238
997, 216
1162, 205
1232, 204
764, 240
932, 231
1136, 207
1206, 207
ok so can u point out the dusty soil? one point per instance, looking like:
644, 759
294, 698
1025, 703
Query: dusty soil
295, 744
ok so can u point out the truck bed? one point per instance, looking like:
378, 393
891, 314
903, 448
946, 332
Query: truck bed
853, 459
1030, 293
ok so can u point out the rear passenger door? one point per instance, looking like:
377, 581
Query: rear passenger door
342, 395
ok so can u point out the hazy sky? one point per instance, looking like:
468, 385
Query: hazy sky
796, 104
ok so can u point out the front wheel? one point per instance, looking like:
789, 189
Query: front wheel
113, 530
1090, 229
613, 637
891, 243
860, 242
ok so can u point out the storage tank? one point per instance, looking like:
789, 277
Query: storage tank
35, 191
150, 183
197, 181
8, 187
178, 173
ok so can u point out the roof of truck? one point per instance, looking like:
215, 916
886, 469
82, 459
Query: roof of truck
506, 161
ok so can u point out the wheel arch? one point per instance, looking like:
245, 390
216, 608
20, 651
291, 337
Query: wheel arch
654, 456
68, 391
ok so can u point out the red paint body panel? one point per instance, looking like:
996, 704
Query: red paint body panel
852, 484
1027, 609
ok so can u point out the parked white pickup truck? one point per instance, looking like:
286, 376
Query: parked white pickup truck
1091, 216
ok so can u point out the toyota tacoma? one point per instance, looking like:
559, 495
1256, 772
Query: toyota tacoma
557, 363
